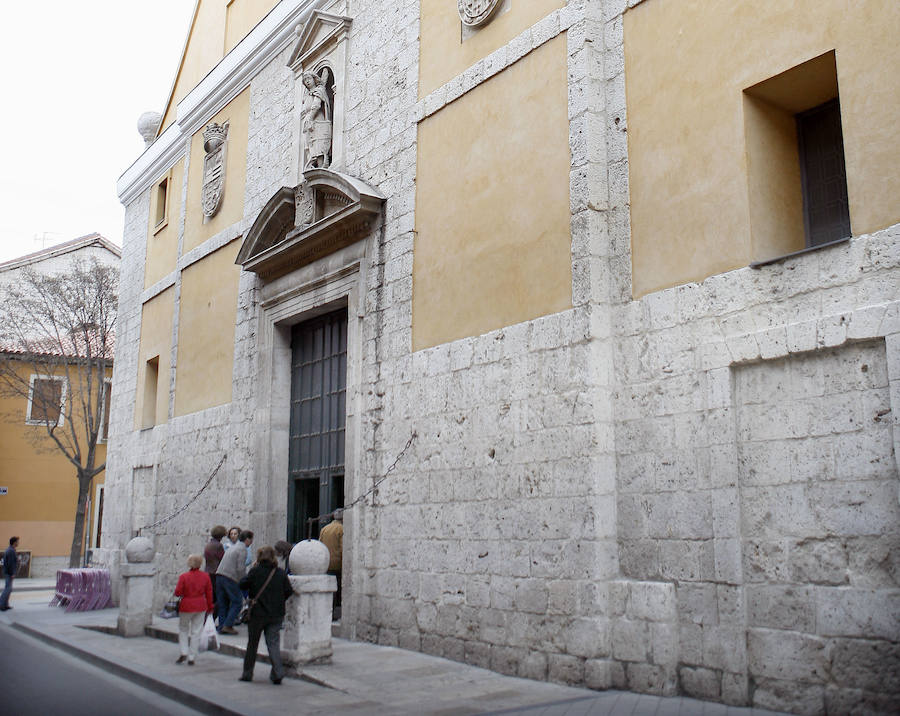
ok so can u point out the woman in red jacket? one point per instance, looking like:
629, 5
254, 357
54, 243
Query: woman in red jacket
195, 591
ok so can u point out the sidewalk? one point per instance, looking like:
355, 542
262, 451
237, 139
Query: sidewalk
363, 678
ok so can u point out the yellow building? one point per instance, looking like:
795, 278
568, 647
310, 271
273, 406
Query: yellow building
39, 485
587, 312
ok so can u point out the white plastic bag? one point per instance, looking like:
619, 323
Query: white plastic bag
208, 638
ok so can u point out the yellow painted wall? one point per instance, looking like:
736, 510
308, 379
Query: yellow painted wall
162, 241
217, 27
42, 484
231, 210
156, 340
242, 16
203, 51
687, 64
208, 310
493, 246
443, 53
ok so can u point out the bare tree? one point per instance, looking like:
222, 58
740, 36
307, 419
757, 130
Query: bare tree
57, 335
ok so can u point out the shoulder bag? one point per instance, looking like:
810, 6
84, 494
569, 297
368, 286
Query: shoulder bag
248, 605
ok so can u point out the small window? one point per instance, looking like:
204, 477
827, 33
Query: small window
98, 517
104, 415
46, 400
151, 381
162, 195
797, 184
826, 215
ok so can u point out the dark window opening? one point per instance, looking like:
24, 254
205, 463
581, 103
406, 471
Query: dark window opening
826, 214
162, 190
104, 428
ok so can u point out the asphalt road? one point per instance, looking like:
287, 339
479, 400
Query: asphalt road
40, 680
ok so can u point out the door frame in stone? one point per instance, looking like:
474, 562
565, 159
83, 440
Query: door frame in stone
329, 284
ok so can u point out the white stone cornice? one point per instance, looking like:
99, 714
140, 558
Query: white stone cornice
159, 156
228, 78
274, 32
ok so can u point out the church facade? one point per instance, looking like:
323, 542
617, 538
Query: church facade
587, 313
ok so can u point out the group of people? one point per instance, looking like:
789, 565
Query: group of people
227, 562
218, 590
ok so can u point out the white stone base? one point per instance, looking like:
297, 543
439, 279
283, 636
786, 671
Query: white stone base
307, 634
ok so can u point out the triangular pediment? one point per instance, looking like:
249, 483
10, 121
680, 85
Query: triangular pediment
327, 211
321, 31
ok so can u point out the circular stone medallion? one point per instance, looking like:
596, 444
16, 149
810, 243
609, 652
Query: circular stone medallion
476, 12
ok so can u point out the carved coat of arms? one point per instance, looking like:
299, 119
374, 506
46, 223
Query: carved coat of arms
304, 202
476, 12
214, 143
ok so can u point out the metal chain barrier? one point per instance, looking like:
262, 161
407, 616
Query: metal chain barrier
371, 491
189, 502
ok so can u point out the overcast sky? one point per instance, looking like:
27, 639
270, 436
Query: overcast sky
76, 77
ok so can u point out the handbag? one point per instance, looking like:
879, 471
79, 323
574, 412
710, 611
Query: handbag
248, 604
244, 614
170, 608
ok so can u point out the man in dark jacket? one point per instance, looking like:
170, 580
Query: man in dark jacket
269, 589
10, 565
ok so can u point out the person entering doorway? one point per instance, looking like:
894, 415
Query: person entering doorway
332, 536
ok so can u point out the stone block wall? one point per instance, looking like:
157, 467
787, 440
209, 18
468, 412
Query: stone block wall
757, 472
691, 493
491, 543
492, 540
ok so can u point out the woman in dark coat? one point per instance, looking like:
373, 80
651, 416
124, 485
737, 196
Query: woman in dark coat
268, 585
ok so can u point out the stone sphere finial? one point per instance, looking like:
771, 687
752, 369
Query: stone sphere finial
148, 126
309, 557
140, 549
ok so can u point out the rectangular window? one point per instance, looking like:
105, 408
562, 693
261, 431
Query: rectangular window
796, 179
162, 195
104, 412
826, 214
46, 400
151, 381
98, 518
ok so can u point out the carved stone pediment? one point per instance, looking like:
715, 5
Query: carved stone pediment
299, 225
317, 37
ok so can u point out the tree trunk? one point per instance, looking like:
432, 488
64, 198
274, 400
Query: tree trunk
84, 490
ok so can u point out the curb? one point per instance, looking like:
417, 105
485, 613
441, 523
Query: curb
164, 688
291, 672
228, 649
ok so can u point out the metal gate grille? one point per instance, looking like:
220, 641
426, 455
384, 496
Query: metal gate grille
318, 410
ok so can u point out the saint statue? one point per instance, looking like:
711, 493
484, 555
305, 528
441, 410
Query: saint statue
315, 114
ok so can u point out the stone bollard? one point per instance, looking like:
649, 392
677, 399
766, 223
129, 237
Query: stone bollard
136, 594
307, 633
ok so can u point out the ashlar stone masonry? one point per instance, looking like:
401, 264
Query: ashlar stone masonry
694, 492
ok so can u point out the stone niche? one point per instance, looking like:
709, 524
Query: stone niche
318, 61
327, 209
324, 213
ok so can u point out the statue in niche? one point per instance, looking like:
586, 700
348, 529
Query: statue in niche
316, 115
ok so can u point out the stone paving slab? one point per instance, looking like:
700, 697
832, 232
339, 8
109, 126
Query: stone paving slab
363, 678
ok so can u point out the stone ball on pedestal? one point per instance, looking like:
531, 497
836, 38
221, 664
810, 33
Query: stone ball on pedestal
309, 557
140, 549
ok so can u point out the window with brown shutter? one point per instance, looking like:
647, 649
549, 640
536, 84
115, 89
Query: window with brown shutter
46, 400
